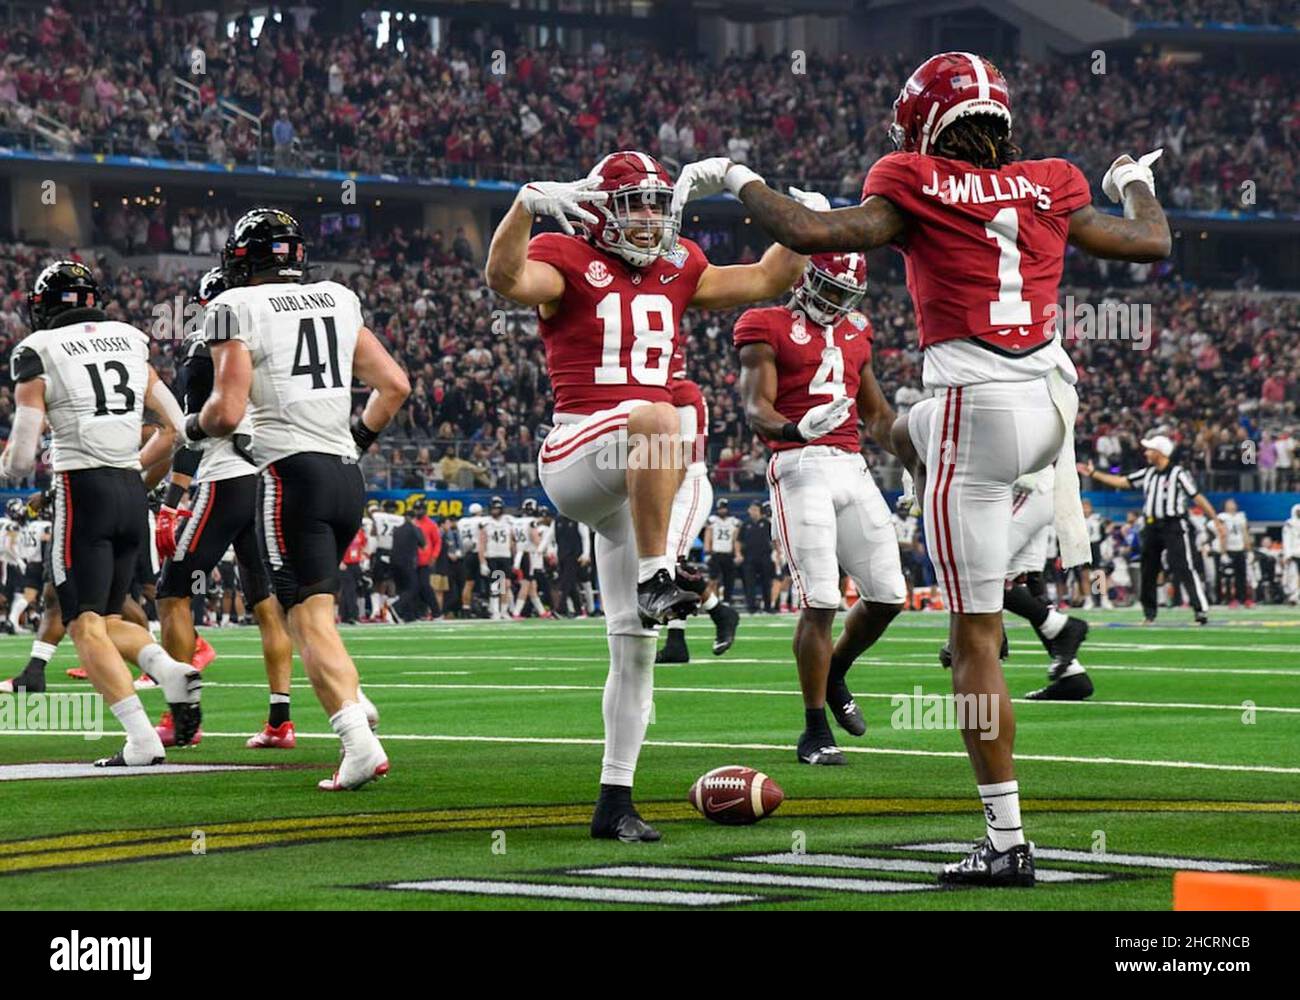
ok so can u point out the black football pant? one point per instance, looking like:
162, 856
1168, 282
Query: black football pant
758, 572
1172, 538
724, 571
349, 589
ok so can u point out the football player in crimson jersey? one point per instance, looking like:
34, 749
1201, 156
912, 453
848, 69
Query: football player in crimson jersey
806, 380
610, 303
984, 234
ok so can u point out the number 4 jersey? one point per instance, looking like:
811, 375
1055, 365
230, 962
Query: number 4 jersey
814, 364
96, 377
985, 250
612, 336
301, 339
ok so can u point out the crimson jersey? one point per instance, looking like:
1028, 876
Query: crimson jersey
814, 365
686, 394
613, 335
984, 248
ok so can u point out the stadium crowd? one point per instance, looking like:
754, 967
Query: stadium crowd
485, 107
1269, 12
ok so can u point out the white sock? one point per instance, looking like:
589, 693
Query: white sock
710, 602
352, 728
626, 706
1002, 814
43, 651
154, 629
537, 605
1075, 667
139, 730
172, 675
16, 611
1051, 628
518, 607
649, 566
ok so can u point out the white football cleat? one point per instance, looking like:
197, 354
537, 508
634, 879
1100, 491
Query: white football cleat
356, 770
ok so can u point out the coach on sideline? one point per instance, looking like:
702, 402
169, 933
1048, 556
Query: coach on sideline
1168, 488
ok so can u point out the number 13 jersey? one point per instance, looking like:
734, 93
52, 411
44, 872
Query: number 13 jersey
301, 339
612, 335
96, 377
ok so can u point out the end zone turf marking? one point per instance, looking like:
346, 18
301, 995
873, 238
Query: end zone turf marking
582, 893
861, 862
48, 771
1126, 860
670, 873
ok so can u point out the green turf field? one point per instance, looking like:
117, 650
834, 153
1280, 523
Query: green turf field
1189, 753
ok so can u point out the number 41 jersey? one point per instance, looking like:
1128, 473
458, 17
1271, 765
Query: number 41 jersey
301, 339
96, 377
612, 337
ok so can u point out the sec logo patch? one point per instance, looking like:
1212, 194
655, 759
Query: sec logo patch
799, 331
598, 275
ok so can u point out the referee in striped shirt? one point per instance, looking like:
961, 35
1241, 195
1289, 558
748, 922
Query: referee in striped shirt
1168, 488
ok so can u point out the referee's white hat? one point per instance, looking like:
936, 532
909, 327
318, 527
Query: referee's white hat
1159, 443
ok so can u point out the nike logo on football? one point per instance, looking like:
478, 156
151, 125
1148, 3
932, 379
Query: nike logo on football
714, 807
666, 278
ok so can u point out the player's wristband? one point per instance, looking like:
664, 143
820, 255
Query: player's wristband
790, 432
737, 176
193, 432
173, 496
363, 435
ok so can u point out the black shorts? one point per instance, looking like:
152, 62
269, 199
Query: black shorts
501, 564
1096, 555
224, 514
100, 521
310, 507
381, 566
230, 578
470, 562
32, 575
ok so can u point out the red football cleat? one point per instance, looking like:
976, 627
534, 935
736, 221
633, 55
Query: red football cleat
78, 673
166, 730
281, 737
203, 653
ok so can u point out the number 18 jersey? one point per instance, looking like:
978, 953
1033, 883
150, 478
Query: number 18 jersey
612, 337
301, 339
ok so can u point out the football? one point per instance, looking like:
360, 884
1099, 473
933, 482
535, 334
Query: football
735, 795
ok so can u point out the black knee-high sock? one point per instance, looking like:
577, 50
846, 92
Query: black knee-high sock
1019, 601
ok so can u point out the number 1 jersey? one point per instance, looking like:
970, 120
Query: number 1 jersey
613, 334
985, 250
301, 339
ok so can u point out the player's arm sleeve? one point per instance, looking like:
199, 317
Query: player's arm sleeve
585, 533
750, 329
19, 456
25, 364
1072, 191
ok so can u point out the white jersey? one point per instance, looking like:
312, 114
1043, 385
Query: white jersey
725, 530
469, 527
1291, 538
498, 531
1236, 527
904, 528
521, 526
96, 377
9, 542
219, 458
1094, 528
545, 540
385, 525
32, 539
301, 338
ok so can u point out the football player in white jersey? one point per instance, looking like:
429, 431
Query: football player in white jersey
470, 525
722, 548
496, 545
1291, 556
287, 351
90, 377
223, 514
1236, 535
383, 598
527, 560
32, 535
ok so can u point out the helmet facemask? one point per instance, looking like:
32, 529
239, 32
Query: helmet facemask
639, 224
825, 299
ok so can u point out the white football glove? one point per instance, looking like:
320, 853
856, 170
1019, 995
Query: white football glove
811, 199
708, 177
560, 199
821, 420
1124, 171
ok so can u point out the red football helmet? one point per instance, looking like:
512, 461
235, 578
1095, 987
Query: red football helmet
944, 88
832, 286
637, 220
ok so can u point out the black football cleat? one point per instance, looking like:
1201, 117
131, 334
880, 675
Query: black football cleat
1075, 687
674, 649
725, 620
659, 600
1065, 647
819, 749
186, 719
627, 826
119, 760
844, 708
692, 576
1201, 619
31, 681
990, 869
